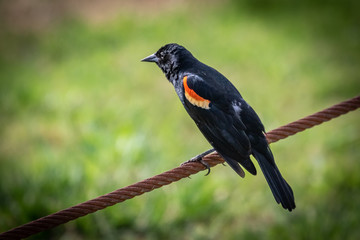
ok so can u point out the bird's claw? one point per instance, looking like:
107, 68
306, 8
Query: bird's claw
199, 158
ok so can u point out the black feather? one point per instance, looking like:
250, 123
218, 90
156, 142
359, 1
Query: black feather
280, 188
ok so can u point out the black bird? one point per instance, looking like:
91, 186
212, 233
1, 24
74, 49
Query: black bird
225, 119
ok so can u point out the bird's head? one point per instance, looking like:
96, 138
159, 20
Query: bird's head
171, 58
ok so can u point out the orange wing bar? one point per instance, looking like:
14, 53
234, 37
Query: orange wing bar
193, 97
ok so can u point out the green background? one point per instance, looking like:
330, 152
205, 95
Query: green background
81, 116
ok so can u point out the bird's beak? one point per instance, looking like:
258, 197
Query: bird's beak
151, 58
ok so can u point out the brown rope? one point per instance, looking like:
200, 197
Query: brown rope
170, 176
313, 120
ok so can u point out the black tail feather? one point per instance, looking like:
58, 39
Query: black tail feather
280, 188
235, 166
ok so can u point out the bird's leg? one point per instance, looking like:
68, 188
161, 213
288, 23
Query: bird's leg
199, 158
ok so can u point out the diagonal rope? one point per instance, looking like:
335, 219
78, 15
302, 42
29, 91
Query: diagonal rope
313, 120
170, 176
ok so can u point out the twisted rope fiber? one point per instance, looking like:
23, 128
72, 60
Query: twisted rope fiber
170, 176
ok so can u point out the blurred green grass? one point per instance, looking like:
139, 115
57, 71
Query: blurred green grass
81, 116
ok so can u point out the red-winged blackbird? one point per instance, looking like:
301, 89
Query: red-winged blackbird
225, 119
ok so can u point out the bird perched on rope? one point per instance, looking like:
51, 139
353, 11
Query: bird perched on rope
225, 119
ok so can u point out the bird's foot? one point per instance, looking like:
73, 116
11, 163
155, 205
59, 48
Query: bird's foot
199, 158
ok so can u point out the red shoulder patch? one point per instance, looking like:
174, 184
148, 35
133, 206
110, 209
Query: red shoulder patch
193, 97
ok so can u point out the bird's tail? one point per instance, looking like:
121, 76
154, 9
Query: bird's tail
280, 188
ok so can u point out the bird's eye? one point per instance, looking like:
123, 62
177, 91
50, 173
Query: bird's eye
163, 57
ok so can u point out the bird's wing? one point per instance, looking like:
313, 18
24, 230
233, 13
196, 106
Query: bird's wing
217, 115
